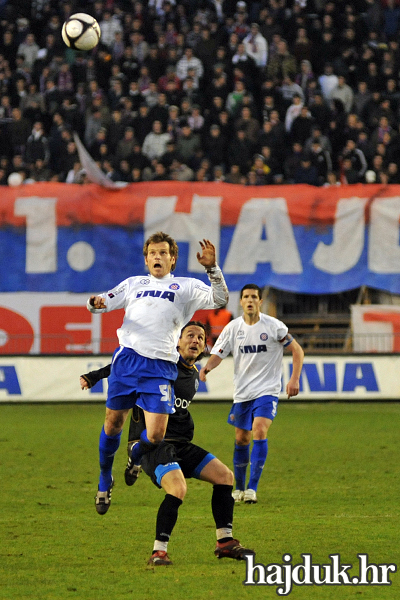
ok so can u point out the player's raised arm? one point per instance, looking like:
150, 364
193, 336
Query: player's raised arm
207, 258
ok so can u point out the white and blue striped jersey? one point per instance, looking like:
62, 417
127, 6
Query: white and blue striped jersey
257, 355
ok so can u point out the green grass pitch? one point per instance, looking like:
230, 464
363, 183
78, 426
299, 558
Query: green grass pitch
330, 485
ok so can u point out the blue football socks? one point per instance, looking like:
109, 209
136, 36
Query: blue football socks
141, 448
258, 458
241, 456
108, 445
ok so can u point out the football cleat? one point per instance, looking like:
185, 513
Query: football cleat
102, 500
132, 471
159, 559
250, 497
232, 549
238, 496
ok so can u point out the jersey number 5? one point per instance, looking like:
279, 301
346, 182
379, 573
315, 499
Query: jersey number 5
165, 391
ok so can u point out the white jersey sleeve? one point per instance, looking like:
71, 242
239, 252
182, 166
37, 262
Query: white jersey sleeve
257, 356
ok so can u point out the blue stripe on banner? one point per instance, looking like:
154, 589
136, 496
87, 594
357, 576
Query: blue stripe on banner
96, 258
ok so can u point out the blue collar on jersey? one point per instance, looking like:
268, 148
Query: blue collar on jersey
186, 364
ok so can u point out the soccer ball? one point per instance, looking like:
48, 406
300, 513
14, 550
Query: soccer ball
81, 32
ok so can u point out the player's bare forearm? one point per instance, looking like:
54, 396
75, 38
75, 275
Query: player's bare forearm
212, 362
293, 385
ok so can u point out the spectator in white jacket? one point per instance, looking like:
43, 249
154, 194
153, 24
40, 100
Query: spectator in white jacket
256, 46
109, 27
343, 92
29, 50
155, 142
293, 111
328, 81
189, 61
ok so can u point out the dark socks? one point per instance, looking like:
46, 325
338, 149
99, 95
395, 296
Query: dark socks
167, 517
222, 505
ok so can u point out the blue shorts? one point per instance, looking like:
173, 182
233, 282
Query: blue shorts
136, 379
242, 413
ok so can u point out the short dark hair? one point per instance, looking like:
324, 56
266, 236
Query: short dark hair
194, 324
159, 237
251, 286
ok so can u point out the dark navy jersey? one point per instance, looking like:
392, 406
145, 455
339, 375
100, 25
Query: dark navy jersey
180, 423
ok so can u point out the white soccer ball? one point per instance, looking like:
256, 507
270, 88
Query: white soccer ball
81, 32
14, 179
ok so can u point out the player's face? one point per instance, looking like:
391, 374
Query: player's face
250, 302
192, 343
159, 260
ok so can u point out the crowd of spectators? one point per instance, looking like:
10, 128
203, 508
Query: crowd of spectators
256, 93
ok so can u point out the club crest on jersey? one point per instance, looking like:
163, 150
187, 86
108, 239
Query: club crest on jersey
264, 336
174, 286
144, 281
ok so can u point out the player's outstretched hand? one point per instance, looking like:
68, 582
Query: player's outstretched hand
292, 388
97, 302
84, 384
207, 257
203, 374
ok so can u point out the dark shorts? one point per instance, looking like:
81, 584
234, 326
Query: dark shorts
191, 459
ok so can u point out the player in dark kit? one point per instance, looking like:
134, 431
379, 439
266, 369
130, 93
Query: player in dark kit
177, 458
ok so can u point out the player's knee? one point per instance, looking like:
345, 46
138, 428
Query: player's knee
156, 437
222, 475
243, 438
227, 476
113, 424
174, 483
260, 433
180, 489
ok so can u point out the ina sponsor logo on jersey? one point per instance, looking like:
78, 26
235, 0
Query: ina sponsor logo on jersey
156, 294
253, 349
